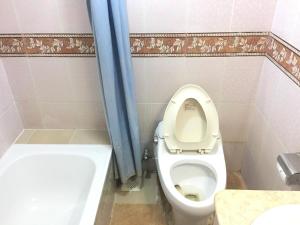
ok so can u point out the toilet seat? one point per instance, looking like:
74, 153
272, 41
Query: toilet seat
191, 121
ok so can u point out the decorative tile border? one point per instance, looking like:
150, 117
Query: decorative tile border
189, 44
199, 44
285, 56
282, 54
47, 45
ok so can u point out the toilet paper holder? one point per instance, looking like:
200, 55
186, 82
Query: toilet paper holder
290, 165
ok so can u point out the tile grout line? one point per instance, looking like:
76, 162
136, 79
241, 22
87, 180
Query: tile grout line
21, 134
72, 136
34, 131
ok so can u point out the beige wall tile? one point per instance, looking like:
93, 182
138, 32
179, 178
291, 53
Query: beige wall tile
25, 136
143, 124
274, 128
6, 97
240, 78
267, 85
59, 115
84, 79
86, 89
51, 79
207, 72
10, 127
47, 91
233, 118
10, 121
4, 144
81, 68
164, 76
10, 124
73, 16
20, 78
277, 99
250, 170
259, 164
90, 115
30, 114
159, 16
284, 117
90, 137
252, 15
149, 117
141, 83
7, 14
51, 137
136, 15
233, 152
286, 21
28, 11
212, 16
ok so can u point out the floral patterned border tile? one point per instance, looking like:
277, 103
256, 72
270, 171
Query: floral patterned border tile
282, 54
202, 44
47, 45
176, 44
285, 56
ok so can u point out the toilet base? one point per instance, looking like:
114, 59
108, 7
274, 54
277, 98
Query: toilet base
180, 218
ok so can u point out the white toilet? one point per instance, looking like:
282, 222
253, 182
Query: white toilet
189, 155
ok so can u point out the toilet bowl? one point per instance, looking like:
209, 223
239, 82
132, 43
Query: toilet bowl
189, 155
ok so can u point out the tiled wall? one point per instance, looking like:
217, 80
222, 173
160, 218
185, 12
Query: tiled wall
52, 92
63, 92
10, 121
47, 16
275, 120
166, 16
230, 81
56, 92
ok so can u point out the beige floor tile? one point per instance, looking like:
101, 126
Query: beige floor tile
51, 137
149, 194
137, 214
235, 181
25, 136
89, 137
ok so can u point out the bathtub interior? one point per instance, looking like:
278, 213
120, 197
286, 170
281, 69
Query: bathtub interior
45, 189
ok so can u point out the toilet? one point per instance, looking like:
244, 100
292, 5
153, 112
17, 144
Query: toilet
189, 156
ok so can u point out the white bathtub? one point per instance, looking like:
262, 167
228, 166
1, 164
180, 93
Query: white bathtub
52, 184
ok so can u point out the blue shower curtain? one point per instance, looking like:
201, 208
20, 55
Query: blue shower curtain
109, 23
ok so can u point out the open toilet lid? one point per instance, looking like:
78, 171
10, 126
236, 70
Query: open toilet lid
191, 121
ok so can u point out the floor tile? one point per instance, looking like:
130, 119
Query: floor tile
137, 214
148, 194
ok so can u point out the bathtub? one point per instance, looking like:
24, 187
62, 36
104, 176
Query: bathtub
53, 184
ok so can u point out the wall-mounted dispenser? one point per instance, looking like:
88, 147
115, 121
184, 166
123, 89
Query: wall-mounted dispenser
288, 165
